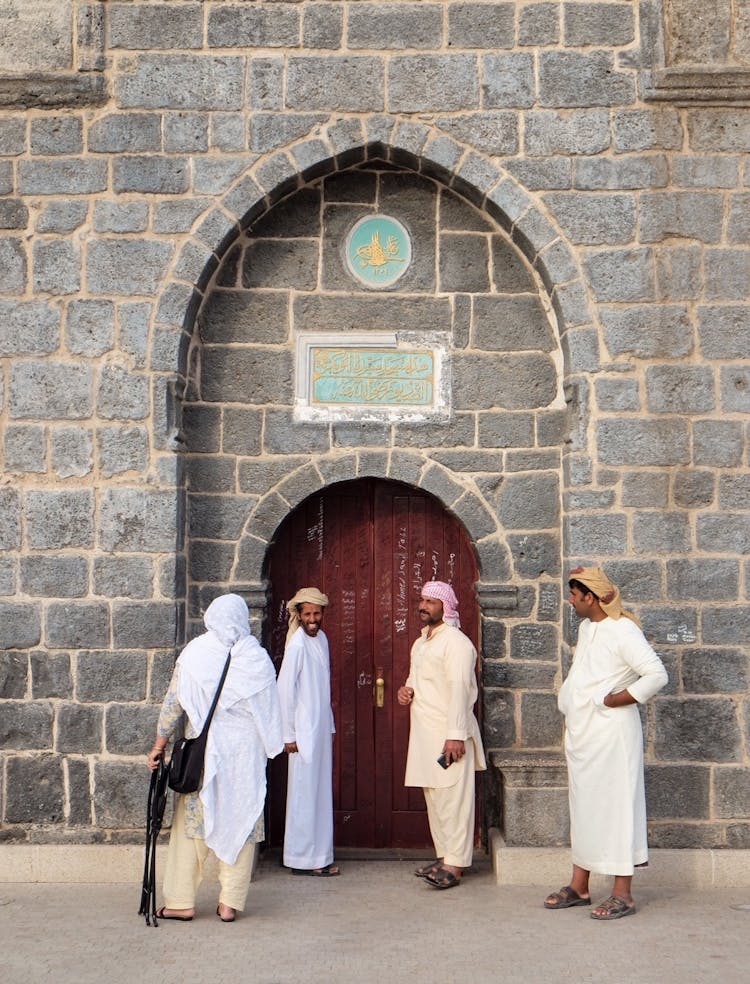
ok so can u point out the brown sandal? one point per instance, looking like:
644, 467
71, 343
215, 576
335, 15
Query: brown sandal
613, 908
428, 869
566, 898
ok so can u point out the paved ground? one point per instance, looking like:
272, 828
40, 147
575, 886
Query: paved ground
376, 923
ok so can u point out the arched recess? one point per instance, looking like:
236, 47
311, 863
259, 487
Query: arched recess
369, 544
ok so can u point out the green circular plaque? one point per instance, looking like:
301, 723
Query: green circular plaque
378, 251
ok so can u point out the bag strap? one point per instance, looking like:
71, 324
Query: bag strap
216, 695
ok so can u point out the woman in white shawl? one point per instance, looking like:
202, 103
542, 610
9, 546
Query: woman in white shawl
226, 815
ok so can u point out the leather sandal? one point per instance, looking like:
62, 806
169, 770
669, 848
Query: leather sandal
566, 898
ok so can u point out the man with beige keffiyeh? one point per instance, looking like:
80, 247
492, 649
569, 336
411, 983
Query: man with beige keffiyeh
613, 671
307, 723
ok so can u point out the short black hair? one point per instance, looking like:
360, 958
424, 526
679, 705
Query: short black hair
583, 588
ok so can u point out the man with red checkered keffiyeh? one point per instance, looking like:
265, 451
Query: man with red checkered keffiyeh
445, 747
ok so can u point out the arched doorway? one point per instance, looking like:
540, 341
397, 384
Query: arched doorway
369, 545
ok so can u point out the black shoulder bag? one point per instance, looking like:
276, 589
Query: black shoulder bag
186, 765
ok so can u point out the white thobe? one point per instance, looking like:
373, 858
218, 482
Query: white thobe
307, 718
604, 745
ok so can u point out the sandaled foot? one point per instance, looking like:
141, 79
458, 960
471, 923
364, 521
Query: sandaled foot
442, 878
428, 869
179, 915
613, 908
225, 912
566, 898
328, 871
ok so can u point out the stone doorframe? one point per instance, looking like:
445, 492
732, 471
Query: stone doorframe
339, 146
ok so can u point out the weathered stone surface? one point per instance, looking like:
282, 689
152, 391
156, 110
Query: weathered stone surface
126, 266
643, 442
79, 729
150, 625
118, 794
537, 642
103, 677
52, 390
50, 675
34, 790
59, 519
569, 78
127, 726
715, 671
447, 83
61, 577
678, 791
530, 502
732, 792
499, 718
14, 675
195, 82
71, 452
697, 729
132, 520
75, 625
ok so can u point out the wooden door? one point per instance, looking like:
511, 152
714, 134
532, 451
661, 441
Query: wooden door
369, 545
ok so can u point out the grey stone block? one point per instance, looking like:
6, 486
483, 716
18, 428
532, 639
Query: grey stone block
447, 83
124, 577
636, 130
241, 434
661, 532
122, 395
678, 791
539, 24
505, 430
269, 263
71, 451
513, 382
78, 729
10, 519
133, 331
122, 133
322, 26
510, 273
56, 135
126, 266
218, 517
50, 675
726, 272
511, 323
718, 130
734, 491
178, 215
55, 520
481, 25
137, 521
256, 375
731, 793
548, 174
12, 136
470, 461
643, 442
150, 175
518, 676
597, 535
186, 133
647, 332
56, 267
116, 217
127, 728
687, 214
75, 625
266, 83
64, 176
13, 214
470, 510
335, 83
122, 449
464, 263
456, 432
34, 790
622, 275
726, 626
118, 794
727, 533
444, 487
230, 26
144, 625
530, 502
14, 675
715, 671
593, 219
547, 132
509, 80
717, 443
535, 554
703, 579
541, 724
617, 394
699, 729
409, 25
571, 79
670, 626
724, 331
245, 316
680, 389
54, 577
31, 328
600, 24
103, 676
179, 82
201, 427
535, 642
695, 489
13, 264
157, 25
212, 473
90, 327
210, 561
359, 434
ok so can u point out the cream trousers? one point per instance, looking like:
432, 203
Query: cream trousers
450, 812
185, 860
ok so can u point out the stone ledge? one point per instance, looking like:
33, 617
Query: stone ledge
45, 91
687, 868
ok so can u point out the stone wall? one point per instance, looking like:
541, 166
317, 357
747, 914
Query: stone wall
167, 230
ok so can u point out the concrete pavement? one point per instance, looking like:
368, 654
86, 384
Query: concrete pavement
376, 923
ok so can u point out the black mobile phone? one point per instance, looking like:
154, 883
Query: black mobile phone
442, 762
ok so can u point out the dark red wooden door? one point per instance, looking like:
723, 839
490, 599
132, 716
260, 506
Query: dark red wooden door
369, 545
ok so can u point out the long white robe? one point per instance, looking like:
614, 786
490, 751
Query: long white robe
604, 745
304, 685
245, 731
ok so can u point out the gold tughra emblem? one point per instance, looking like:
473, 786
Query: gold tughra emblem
375, 256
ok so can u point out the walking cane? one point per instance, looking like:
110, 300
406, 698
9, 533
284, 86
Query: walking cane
157, 801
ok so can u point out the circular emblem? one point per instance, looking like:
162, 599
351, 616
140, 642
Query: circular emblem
378, 251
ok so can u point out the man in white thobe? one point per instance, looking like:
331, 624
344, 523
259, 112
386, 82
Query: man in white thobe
441, 691
613, 671
307, 722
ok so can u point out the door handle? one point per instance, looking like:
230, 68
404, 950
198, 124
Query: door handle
379, 688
